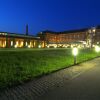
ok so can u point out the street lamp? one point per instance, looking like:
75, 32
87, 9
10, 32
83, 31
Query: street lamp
75, 53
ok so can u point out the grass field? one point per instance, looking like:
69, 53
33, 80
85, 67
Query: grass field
19, 65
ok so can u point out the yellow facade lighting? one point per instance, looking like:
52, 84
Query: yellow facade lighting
16, 42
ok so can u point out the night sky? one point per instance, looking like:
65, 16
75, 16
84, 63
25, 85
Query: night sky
54, 15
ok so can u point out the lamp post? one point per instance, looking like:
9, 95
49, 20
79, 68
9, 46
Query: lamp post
75, 52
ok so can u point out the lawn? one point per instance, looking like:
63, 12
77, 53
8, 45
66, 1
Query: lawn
20, 65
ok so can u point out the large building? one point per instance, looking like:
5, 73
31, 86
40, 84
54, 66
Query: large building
87, 37
10, 40
14, 40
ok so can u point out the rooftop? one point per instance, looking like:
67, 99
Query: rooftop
17, 35
70, 31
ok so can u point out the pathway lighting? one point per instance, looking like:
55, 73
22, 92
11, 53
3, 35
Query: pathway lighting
75, 53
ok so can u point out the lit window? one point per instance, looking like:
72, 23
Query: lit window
5, 42
22, 43
11, 43
26, 43
17, 43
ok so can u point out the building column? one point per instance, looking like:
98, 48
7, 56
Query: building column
25, 41
6, 42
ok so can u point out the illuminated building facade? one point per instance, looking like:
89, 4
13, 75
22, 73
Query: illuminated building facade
87, 37
12, 40
81, 38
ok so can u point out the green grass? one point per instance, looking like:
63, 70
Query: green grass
19, 65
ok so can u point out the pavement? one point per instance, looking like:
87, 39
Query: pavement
79, 82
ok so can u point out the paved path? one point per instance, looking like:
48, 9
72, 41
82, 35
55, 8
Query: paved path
84, 87
50, 85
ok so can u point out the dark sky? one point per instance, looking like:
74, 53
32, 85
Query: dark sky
55, 15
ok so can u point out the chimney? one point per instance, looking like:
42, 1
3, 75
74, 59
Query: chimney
27, 29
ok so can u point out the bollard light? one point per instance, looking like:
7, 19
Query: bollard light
97, 48
75, 53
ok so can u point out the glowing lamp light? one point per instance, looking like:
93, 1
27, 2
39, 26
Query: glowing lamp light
15, 46
55, 46
39, 46
28, 46
97, 48
75, 51
48, 46
94, 30
11, 43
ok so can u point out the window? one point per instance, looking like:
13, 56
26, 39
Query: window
11, 43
